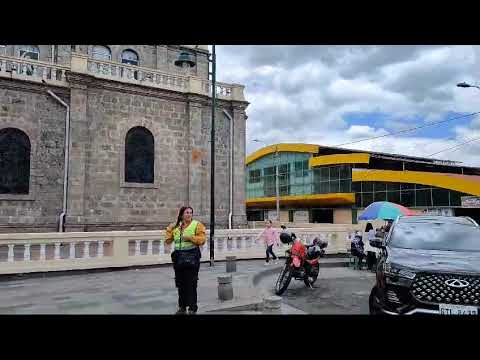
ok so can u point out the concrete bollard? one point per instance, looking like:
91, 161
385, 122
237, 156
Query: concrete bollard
231, 264
272, 305
225, 288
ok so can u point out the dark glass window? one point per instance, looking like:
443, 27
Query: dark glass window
254, 176
345, 186
334, 186
139, 156
14, 161
380, 186
29, 52
367, 199
358, 200
334, 173
301, 168
423, 198
393, 186
345, 172
324, 174
440, 197
356, 186
455, 198
405, 186
129, 57
408, 198
393, 196
380, 196
367, 186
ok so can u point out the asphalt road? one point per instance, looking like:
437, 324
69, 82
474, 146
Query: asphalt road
337, 291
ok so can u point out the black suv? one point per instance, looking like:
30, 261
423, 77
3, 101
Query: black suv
428, 265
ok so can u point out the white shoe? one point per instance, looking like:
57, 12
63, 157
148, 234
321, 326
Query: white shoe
266, 263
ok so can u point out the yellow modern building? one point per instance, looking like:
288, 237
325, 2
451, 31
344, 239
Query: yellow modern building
320, 184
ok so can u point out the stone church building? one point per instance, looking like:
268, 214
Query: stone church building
125, 128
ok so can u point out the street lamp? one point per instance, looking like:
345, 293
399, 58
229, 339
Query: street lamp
184, 60
277, 192
465, 85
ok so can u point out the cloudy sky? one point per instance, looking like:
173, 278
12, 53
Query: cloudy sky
331, 95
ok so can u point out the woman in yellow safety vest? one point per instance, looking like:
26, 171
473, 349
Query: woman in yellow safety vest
187, 235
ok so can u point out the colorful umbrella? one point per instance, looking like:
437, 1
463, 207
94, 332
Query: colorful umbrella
385, 210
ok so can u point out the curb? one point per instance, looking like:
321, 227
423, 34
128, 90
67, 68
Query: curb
258, 276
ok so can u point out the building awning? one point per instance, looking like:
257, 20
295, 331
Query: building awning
333, 199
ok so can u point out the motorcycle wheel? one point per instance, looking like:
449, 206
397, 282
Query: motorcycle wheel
310, 280
283, 280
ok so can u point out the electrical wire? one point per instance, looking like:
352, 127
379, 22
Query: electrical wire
408, 130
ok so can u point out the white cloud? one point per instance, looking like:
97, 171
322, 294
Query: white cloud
303, 94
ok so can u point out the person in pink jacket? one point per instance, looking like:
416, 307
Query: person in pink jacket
270, 236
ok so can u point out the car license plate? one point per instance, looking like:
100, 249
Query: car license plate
447, 309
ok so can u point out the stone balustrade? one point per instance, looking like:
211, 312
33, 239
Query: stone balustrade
43, 252
32, 70
137, 75
54, 74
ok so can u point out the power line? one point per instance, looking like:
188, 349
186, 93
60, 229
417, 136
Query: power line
456, 146
408, 130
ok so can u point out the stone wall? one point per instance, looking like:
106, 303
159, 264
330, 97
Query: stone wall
101, 113
29, 108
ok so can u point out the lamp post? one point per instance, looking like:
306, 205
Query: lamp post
465, 85
184, 60
277, 191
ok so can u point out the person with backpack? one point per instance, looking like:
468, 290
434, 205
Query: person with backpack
187, 235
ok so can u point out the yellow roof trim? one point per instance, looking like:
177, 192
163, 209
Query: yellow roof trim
315, 199
302, 148
469, 184
353, 158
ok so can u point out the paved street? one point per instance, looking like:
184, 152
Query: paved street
141, 291
151, 291
337, 291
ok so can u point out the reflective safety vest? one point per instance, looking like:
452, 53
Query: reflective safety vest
180, 243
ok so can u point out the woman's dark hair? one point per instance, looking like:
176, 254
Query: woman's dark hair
283, 227
369, 227
180, 214
269, 221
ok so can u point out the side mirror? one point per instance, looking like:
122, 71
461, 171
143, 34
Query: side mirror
378, 243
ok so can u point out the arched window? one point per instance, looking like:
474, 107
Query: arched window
100, 52
29, 52
129, 57
139, 156
14, 161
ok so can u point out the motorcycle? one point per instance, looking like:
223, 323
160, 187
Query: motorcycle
302, 262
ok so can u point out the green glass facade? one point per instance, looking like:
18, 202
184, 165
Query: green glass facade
296, 179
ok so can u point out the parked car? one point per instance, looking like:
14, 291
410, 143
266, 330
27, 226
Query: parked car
428, 265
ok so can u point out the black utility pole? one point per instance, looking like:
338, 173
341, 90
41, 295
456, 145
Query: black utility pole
212, 161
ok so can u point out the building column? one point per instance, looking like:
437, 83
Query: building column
77, 166
239, 133
197, 159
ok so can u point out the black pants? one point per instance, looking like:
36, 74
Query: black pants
371, 260
360, 260
270, 251
186, 280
